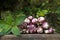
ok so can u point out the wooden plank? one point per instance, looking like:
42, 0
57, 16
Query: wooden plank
32, 37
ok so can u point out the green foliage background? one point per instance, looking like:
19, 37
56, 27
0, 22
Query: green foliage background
12, 12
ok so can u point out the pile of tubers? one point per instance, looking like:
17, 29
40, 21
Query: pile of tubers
33, 25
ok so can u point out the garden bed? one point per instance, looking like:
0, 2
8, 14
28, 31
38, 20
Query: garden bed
32, 37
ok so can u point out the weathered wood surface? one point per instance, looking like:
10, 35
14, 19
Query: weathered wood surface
32, 37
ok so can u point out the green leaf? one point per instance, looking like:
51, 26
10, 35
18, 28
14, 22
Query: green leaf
45, 11
19, 20
4, 28
15, 30
1, 29
7, 17
42, 12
